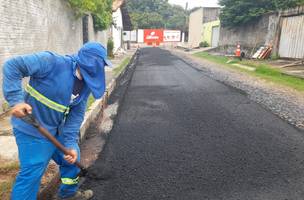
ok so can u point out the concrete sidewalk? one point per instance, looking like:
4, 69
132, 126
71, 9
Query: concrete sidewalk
8, 150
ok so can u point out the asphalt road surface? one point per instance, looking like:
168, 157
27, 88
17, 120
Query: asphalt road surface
181, 135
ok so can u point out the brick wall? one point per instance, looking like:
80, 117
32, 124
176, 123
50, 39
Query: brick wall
28, 26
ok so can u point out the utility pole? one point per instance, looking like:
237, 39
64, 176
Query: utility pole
185, 26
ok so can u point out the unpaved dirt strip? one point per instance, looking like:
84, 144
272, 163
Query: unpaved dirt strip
182, 135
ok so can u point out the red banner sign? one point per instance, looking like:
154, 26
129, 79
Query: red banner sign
153, 36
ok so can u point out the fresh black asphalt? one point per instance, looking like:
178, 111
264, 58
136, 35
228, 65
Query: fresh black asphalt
181, 135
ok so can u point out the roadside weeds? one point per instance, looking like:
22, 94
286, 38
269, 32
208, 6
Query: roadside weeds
91, 100
8, 172
122, 66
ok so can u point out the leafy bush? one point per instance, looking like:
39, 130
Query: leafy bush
203, 44
110, 48
101, 11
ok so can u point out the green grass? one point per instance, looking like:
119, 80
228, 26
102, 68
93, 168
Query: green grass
262, 70
213, 58
122, 65
276, 76
91, 100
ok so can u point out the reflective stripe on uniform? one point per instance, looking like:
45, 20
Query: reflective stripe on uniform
47, 102
70, 181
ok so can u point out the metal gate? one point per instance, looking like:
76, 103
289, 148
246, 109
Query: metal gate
292, 37
215, 36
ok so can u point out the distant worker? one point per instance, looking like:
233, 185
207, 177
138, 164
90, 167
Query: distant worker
56, 95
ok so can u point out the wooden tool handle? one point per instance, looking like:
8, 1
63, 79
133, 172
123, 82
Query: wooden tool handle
30, 119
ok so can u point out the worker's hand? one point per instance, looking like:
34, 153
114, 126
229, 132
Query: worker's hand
21, 110
72, 157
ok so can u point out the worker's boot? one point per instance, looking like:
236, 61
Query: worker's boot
80, 195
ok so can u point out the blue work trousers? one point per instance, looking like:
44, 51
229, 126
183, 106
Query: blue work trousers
34, 156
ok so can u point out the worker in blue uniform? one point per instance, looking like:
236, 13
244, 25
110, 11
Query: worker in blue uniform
56, 95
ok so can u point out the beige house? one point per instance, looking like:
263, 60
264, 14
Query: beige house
197, 19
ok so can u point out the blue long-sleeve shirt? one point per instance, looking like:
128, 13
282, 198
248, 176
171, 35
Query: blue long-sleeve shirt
53, 76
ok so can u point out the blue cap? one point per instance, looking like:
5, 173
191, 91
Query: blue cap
92, 58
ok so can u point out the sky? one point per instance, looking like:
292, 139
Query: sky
195, 3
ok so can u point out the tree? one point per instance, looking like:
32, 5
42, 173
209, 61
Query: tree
147, 20
235, 13
177, 19
156, 14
